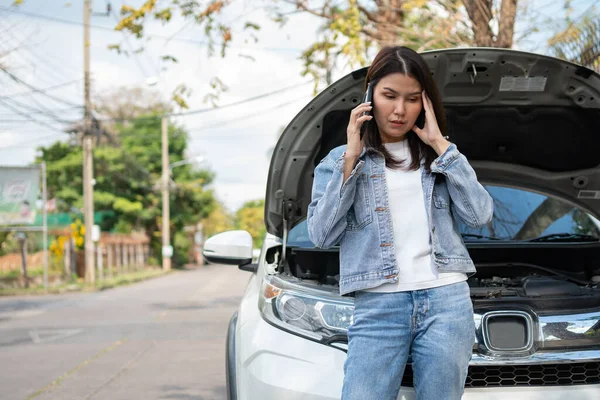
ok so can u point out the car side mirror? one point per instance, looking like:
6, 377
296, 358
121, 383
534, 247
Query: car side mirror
232, 248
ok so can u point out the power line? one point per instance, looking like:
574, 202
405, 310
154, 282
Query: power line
10, 27
19, 80
42, 108
46, 89
41, 123
46, 112
203, 110
237, 103
49, 18
53, 111
260, 96
46, 61
230, 121
264, 95
208, 109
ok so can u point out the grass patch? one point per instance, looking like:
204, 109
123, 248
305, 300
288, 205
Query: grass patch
15, 273
79, 285
129, 278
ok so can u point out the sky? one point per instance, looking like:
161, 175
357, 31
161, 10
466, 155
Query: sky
234, 141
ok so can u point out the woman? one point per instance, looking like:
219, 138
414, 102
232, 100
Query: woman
388, 198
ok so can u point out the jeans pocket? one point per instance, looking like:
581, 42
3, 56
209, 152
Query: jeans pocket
360, 214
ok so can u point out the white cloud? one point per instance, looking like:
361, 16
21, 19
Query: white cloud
236, 194
16, 155
9, 138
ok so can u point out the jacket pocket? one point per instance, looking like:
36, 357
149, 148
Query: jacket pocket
360, 214
439, 200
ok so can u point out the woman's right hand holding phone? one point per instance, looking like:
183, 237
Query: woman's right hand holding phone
358, 116
355, 143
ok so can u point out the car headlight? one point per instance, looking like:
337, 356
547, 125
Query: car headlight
318, 317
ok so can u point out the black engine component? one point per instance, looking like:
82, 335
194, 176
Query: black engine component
536, 286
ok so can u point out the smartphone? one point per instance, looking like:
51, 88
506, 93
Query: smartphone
368, 98
420, 122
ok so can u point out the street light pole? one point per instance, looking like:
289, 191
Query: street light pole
167, 251
88, 190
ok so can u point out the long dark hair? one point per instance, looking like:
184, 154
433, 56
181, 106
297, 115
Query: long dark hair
401, 59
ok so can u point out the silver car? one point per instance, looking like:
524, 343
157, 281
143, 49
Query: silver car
530, 126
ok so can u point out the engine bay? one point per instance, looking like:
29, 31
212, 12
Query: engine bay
537, 275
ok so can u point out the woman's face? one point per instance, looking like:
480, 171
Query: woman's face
397, 103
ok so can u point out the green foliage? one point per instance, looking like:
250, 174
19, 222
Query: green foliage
204, 13
9, 244
348, 24
217, 221
127, 207
250, 217
164, 15
181, 248
123, 226
252, 26
104, 200
117, 48
169, 58
579, 41
128, 180
351, 31
64, 174
218, 88
179, 94
4, 236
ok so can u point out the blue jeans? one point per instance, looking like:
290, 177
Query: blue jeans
434, 326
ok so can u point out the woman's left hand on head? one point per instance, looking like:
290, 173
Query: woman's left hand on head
430, 134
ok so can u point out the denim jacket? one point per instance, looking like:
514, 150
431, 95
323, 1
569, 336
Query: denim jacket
355, 214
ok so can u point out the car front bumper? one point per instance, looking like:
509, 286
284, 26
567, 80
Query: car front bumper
273, 364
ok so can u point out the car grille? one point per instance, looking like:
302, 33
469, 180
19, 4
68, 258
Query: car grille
586, 373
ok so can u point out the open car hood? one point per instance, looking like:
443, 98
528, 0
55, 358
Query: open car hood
523, 120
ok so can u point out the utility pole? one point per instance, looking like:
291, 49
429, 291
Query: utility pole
167, 250
88, 190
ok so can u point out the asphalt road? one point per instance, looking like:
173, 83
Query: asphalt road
159, 339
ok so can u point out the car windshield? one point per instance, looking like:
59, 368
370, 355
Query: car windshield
519, 215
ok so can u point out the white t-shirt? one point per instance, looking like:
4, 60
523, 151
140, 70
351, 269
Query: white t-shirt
411, 231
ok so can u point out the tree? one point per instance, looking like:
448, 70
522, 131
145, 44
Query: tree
250, 217
579, 42
548, 212
127, 179
351, 28
217, 221
123, 106
484, 14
